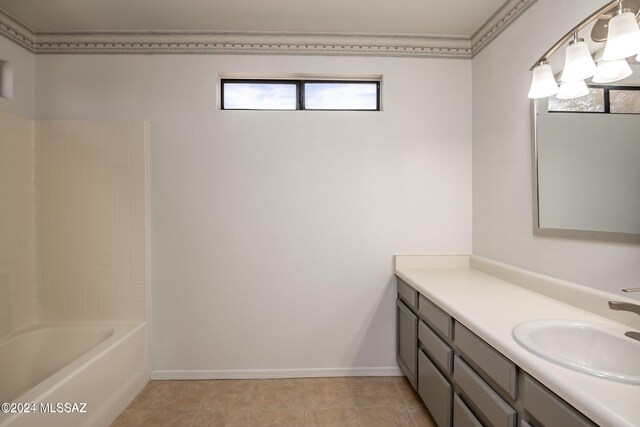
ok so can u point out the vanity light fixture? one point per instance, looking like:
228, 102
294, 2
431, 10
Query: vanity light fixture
623, 38
543, 83
612, 71
578, 63
617, 25
571, 90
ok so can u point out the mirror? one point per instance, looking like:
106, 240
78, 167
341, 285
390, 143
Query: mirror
586, 163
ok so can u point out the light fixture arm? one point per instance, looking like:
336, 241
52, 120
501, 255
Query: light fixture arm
611, 6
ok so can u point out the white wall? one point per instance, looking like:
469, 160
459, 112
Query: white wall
273, 233
502, 202
22, 63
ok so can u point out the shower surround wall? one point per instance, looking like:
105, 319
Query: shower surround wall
93, 203
73, 227
20, 278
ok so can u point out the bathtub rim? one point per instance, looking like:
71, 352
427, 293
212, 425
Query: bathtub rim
121, 331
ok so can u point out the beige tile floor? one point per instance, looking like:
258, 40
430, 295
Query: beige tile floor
330, 402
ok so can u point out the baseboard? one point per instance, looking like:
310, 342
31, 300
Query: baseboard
274, 373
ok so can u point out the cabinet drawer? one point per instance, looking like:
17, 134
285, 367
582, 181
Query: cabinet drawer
407, 342
497, 412
462, 415
548, 409
407, 294
439, 351
435, 390
436, 317
497, 367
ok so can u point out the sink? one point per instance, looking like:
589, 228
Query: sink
593, 348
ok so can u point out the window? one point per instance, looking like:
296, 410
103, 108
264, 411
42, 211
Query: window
625, 101
6, 80
592, 103
601, 99
336, 95
250, 95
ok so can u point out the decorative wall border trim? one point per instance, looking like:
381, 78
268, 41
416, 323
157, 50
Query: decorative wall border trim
17, 32
499, 22
156, 42
252, 43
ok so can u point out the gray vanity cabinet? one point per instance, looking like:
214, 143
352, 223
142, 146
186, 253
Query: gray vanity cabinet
407, 342
549, 410
435, 390
463, 380
462, 415
497, 369
490, 405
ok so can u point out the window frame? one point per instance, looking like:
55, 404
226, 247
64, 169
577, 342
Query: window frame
300, 92
606, 99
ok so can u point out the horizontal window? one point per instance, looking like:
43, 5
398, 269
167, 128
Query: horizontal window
591, 103
341, 96
240, 95
625, 101
335, 95
601, 99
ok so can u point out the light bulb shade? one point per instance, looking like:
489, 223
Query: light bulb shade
571, 90
543, 83
578, 63
623, 39
612, 71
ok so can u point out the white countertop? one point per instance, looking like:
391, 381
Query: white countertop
491, 307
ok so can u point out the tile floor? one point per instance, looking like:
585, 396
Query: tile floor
334, 402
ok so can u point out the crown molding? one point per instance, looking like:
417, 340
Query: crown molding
17, 32
212, 42
252, 43
497, 23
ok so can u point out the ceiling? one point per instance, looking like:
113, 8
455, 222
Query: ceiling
403, 17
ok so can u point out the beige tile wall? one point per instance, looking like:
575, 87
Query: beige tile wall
19, 265
93, 201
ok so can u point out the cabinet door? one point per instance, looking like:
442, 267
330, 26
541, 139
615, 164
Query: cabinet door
407, 342
435, 391
548, 409
462, 415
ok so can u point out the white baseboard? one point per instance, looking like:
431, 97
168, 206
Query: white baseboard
274, 373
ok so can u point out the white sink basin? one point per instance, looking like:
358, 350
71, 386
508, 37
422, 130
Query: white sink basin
596, 349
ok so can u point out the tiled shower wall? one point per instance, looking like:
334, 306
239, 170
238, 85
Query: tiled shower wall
92, 196
19, 265
73, 221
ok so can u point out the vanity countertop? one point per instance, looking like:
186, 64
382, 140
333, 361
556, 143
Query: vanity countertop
492, 307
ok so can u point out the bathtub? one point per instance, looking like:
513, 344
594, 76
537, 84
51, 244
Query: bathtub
71, 374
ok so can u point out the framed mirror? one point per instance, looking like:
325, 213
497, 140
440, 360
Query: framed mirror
586, 163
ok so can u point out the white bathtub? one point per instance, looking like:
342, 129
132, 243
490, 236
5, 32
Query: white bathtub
100, 366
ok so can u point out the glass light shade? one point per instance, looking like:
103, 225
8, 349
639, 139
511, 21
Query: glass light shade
623, 39
612, 71
578, 63
543, 83
571, 90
